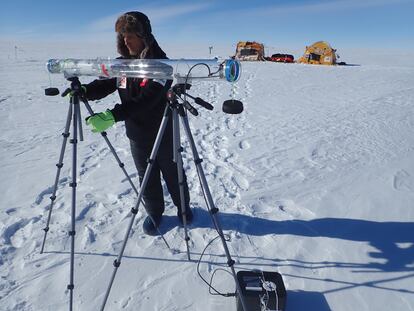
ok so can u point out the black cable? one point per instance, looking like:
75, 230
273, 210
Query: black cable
204, 280
211, 282
218, 70
189, 71
188, 75
205, 198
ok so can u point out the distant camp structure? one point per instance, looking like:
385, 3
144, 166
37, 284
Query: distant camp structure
281, 58
250, 51
319, 53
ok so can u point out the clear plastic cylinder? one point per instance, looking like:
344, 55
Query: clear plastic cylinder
178, 69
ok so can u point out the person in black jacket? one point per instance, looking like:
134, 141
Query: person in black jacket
143, 102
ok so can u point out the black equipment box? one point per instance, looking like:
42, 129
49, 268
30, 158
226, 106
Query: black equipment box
261, 290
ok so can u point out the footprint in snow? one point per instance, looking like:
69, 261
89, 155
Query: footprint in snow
4, 98
18, 233
237, 134
292, 209
88, 237
240, 182
85, 211
230, 123
44, 193
11, 211
403, 181
244, 144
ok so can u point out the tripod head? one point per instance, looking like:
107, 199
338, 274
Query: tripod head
75, 89
181, 88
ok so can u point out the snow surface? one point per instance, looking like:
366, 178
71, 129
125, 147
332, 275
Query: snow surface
315, 180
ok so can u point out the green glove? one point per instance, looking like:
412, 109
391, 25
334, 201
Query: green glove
101, 121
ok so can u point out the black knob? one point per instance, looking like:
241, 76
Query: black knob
232, 106
51, 91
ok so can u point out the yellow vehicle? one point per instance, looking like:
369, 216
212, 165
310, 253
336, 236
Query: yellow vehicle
319, 53
249, 51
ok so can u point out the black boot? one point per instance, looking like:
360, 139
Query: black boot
149, 227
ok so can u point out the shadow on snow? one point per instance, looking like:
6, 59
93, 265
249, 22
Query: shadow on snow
386, 237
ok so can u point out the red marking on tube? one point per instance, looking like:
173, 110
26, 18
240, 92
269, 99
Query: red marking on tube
105, 72
143, 82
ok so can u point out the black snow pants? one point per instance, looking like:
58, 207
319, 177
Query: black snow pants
153, 195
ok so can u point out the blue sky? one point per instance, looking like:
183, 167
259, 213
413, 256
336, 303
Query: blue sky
343, 23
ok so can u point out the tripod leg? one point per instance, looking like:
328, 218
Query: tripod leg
179, 161
210, 205
121, 165
134, 211
59, 165
80, 123
73, 184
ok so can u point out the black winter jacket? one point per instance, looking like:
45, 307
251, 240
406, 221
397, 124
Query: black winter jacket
143, 102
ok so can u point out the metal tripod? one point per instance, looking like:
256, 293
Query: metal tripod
176, 108
74, 116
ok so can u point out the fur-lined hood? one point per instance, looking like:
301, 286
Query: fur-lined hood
137, 22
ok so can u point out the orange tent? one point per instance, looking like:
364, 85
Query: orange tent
249, 50
319, 53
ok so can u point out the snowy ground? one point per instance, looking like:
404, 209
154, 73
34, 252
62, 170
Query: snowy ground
315, 180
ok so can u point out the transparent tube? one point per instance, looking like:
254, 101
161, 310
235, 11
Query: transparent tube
169, 69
